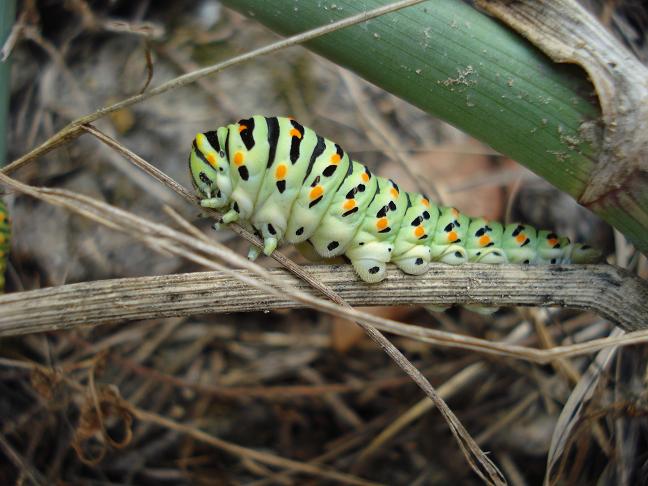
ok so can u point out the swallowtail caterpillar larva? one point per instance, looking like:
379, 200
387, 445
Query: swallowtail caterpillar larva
289, 184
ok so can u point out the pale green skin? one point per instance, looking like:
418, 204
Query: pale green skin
419, 232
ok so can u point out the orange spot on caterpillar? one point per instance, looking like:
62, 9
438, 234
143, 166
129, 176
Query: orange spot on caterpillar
239, 158
242, 127
394, 192
280, 173
452, 236
349, 204
425, 202
382, 223
212, 160
484, 240
316, 192
521, 238
419, 231
335, 159
2, 217
295, 133
552, 241
365, 177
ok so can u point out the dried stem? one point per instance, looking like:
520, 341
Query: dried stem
106, 301
611, 292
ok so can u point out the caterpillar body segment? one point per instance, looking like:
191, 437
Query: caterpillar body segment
337, 228
412, 252
330, 173
448, 244
373, 244
290, 184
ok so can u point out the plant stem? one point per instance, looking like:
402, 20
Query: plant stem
7, 16
468, 69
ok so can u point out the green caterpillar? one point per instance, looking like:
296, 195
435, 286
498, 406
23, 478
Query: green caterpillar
5, 232
290, 184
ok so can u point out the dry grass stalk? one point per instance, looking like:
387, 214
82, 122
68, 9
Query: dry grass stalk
93, 303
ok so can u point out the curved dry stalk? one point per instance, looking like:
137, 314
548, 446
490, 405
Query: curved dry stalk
572, 412
610, 292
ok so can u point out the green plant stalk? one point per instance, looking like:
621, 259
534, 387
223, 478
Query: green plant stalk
468, 69
7, 16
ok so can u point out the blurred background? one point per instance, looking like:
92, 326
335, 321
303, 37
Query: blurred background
297, 384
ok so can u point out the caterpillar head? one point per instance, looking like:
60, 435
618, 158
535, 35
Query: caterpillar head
209, 168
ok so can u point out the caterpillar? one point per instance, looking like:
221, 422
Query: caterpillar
5, 232
289, 184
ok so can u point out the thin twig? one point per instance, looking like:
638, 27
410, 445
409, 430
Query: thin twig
244, 452
73, 129
21, 464
384, 138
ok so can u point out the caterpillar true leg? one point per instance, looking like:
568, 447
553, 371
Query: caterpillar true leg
253, 253
230, 216
211, 203
269, 245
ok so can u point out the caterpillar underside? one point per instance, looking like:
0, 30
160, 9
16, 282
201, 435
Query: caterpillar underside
290, 184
